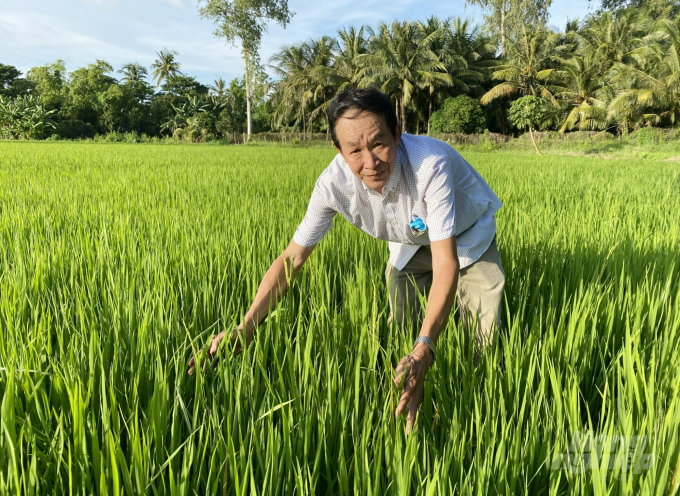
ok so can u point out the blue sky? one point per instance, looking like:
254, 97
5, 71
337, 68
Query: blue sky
36, 32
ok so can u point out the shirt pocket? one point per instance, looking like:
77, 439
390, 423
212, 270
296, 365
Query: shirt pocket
419, 210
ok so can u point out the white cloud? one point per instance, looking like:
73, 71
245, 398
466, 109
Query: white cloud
36, 32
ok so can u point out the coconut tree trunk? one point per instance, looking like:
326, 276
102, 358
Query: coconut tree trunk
429, 117
403, 114
249, 98
304, 125
503, 28
534, 141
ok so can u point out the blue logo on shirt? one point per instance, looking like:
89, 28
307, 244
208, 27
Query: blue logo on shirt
417, 226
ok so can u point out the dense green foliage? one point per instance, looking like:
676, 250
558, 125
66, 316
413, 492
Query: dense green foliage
24, 117
124, 258
528, 111
616, 70
89, 101
461, 114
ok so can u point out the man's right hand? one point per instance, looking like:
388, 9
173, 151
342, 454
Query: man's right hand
213, 354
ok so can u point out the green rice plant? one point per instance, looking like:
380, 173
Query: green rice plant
118, 262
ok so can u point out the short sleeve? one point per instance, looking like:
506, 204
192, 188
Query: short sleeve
318, 220
440, 202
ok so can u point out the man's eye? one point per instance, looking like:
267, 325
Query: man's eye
354, 152
378, 144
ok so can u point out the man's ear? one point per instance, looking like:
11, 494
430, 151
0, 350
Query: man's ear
397, 137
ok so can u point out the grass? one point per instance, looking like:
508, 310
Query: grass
117, 260
646, 143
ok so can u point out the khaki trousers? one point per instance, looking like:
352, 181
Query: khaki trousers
479, 295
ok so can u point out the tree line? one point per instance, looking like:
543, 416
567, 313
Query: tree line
617, 70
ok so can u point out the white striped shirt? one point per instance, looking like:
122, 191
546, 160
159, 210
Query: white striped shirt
431, 181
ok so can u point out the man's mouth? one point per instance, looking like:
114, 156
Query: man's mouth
376, 175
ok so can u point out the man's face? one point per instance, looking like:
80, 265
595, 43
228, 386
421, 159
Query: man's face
368, 147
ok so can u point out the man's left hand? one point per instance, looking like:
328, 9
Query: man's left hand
412, 369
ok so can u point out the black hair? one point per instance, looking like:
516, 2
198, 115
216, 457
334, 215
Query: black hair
361, 100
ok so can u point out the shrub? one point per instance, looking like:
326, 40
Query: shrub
647, 136
24, 117
461, 114
528, 112
74, 129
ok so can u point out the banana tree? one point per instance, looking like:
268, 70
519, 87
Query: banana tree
24, 118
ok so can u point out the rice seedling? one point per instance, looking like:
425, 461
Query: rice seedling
117, 262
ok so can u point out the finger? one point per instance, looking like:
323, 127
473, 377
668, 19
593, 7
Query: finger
192, 362
397, 379
413, 406
236, 346
403, 367
212, 361
401, 407
239, 340
214, 351
409, 424
410, 383
403, 403
215, 361
215, 345
410, 386
405, 399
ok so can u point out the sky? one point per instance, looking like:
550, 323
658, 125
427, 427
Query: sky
37, 32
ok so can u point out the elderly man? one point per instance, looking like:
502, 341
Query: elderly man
434, 209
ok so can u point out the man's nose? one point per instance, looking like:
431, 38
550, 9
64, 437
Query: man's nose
371, 161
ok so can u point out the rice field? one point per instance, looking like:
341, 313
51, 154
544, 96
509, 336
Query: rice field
116, 261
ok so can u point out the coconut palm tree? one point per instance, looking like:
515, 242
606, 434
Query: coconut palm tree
582, 89
466, 55
321, 55
345, 73
290, 64
532, 59
399, 59
434, 88
165, 66
219, 87
467, 40
331, 67
612, 36
133, 73
585, 87
651, 80
582, 93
